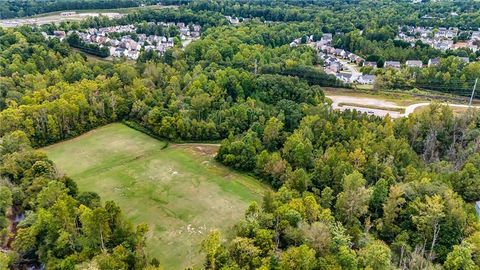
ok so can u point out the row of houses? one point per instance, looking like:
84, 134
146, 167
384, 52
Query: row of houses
351, 57
126, 46
326, 39
349, 78
333, 64
411, 63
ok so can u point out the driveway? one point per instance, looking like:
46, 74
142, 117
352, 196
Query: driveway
351, 68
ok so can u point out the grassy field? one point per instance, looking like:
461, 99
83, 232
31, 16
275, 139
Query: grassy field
179, 191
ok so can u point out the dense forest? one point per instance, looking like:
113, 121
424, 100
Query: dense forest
352, 191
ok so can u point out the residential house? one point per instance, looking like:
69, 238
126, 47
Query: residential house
352, 57
443, 45
119, 52
346, 78
112, 50
366, 79
451, 33
336, 67
339, 52
295, 42
327, 38
441, 33
132, 54
370, 64
392, 64
414, 64
359, 60
195, 34
464, 59
130, 44
475, 35
433, 62
233, 20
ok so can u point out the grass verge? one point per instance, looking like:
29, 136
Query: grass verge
392, 109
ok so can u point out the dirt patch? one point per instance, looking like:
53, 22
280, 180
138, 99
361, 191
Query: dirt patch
200, 148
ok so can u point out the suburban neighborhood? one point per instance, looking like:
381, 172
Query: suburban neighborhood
346, 65
130, 44
440, 38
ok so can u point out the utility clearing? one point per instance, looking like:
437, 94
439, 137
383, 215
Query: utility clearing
179, 191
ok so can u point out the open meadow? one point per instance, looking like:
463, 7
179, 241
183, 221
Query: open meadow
180, 191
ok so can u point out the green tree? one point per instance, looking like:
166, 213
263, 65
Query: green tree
244, 253
375, 255
352, 202
210, 246
427, 218
298, 151
460, 258
272, 134
301, 258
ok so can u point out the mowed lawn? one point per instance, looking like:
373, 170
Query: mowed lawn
181, 192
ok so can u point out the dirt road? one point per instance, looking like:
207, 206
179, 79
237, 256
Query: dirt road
380, 107
373, 106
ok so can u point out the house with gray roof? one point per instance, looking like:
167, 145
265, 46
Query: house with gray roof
392, 64
414, 64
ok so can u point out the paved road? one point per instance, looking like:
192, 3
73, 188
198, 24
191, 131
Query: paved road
410, 109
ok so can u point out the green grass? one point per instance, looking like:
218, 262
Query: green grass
392, 109
181, 192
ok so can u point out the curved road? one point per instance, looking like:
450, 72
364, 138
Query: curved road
337, 100
410, 109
